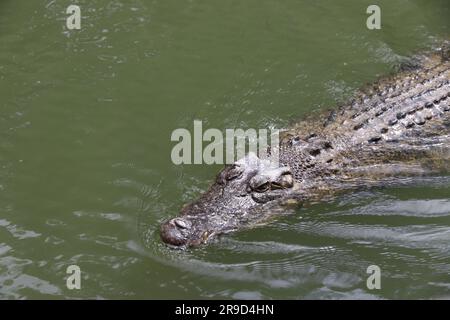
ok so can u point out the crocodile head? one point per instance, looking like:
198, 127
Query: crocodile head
236, 200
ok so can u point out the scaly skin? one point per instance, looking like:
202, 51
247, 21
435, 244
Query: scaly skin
397, 127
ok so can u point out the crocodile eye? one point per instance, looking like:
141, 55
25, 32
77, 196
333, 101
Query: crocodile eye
285, 181
182, 224
263, 187
234, 172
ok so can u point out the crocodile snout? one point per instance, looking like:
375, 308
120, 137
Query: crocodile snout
175, 232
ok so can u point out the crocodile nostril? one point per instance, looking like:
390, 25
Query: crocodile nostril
285, 181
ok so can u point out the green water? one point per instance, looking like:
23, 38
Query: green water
85, 169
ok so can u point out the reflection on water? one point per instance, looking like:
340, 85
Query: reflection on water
85, 171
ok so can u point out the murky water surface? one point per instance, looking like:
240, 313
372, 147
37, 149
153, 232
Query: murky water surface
85, 169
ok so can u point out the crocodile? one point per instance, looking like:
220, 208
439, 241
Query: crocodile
390, 131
